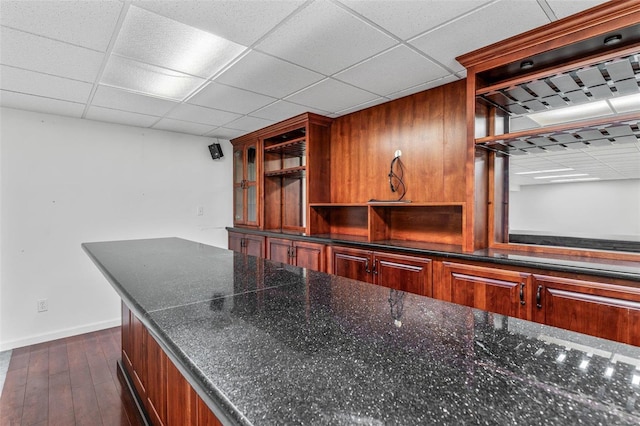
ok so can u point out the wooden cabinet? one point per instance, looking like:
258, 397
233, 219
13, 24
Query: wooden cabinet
250, 244
246, 188
603, 310
298, 253
156, 361
400, 272
296, 168
496, 290
162, 391
182, 408
536, 95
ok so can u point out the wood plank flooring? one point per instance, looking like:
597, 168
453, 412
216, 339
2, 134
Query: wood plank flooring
72, 381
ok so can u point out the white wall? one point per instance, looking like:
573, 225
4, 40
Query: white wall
598, 209
65, 181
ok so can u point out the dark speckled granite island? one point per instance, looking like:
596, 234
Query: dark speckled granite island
268, 344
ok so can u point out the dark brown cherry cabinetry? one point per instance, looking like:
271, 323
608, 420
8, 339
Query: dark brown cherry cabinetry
163, 392
296, 170
246, 187
252, 245
496, 290
603, 310
401, 272
298, 253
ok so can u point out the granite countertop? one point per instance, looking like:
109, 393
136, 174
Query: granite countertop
269, 344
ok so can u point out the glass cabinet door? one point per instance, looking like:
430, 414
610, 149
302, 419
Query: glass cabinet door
245, 185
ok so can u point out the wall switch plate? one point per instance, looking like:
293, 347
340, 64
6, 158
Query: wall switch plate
43, 305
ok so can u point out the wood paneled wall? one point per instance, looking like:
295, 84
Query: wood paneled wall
428, 127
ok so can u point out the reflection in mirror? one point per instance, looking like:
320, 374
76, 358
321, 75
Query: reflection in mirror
579, 186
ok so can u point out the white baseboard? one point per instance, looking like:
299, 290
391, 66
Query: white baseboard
59, 334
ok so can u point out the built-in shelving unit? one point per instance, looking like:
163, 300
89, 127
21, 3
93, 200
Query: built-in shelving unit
570, 85
602, 85
435, 222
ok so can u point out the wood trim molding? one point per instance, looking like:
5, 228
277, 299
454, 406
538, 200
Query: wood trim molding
598, 20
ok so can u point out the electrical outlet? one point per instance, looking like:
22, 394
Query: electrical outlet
43, 305
397, 154
200, 211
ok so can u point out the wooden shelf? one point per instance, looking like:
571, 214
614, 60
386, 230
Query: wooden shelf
575, 132
291, 172
292, 148
437, 222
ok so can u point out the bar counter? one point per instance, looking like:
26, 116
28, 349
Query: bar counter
264, 343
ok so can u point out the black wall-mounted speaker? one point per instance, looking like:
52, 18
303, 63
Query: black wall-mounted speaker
216, 151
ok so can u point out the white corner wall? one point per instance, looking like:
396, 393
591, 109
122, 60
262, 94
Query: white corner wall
598, 209
64, 181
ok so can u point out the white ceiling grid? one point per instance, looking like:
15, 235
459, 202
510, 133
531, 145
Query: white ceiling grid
137, 62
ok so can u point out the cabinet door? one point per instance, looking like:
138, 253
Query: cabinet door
602, 310
254, 245
156, 382
205, 416
235, 241
406, 273
495, 290
126, 339
309, 255
279, 250
182, 406
351, 263
245, 184
139, 356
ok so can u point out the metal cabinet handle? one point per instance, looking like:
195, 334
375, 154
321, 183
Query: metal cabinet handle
375, 267
292, 252
366, 266
522, 302
539, 297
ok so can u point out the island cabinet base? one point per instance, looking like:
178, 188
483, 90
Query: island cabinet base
162, 394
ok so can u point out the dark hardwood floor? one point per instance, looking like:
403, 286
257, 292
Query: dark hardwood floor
71, 381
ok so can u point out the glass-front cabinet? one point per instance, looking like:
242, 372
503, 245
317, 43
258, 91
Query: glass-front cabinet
245, 183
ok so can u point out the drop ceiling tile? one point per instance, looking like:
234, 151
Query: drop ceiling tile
270, 76
153, 39
325, 38
331, 95
249, 124
202, 115
47, 56
487, 25
83, 23
224, 133
282, 110
406, 19
34, 83
40, 104
564, 8
120, 117
182, 126
111, 97
148, 79
227, 98
392, 71
243, 22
